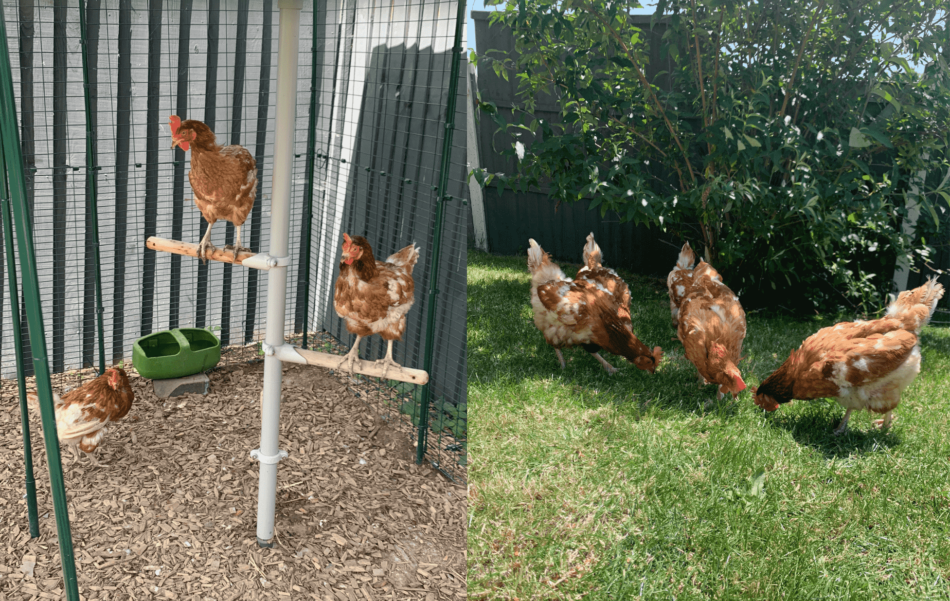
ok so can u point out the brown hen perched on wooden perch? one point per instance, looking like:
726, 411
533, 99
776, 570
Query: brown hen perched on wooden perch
373, 296
223, 178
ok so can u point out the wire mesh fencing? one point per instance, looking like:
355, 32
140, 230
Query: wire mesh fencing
373, 82
384, 75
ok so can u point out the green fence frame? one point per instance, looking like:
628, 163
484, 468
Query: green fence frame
17, 324
13, 163
423, 435
91, 169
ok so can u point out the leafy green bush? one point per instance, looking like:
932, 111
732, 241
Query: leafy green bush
789, 144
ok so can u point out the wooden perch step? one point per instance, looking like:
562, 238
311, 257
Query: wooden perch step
293, 354
191, 250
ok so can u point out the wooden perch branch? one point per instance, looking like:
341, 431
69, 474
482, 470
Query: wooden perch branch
293, 354
191, 250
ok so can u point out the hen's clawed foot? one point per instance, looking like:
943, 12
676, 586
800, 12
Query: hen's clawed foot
387, 363
204, 249
236, 250
885, 422
350, 363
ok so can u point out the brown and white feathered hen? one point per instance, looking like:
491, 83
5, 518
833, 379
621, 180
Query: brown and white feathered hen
372, 296
83, 413
710, 322
223, 178
861, 364
680, 280
592, 312
593, 272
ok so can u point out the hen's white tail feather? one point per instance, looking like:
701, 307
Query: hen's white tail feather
915, 307
535, 255
541, 267
33, 401
592, 253
405, 258
686, 258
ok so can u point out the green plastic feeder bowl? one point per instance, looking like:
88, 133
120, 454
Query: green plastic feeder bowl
176, 353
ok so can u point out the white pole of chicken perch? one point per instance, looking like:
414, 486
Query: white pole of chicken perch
269, 454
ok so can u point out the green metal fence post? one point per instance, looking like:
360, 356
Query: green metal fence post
91, 174
308, 195
20, 377
439, 218
10, 138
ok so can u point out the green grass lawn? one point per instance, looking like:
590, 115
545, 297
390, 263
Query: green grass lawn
584, 485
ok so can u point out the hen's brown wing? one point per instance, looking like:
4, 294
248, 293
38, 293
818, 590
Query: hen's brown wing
225, 183
367, 305
88, 408
852, 355
562, 313
604, 280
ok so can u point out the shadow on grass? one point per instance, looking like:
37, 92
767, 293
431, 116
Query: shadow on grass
815, 425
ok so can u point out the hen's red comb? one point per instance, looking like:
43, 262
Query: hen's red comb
346, 237
739, 383
174, 122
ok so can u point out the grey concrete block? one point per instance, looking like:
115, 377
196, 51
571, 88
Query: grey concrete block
196, 384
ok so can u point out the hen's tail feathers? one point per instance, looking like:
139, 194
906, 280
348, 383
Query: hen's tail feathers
687, 257
914, 308
542, 269
406, 258
33, 401
536, 256
592, 254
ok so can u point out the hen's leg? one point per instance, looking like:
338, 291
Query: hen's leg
237, 243
560, 357
352, 358
205, 243
92, 457
843, 426
388, 361
610, 368
74, 451
885, 423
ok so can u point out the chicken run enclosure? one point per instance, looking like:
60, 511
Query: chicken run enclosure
378, 150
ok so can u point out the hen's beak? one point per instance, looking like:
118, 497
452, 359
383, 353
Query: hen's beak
179, 141
766, 402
